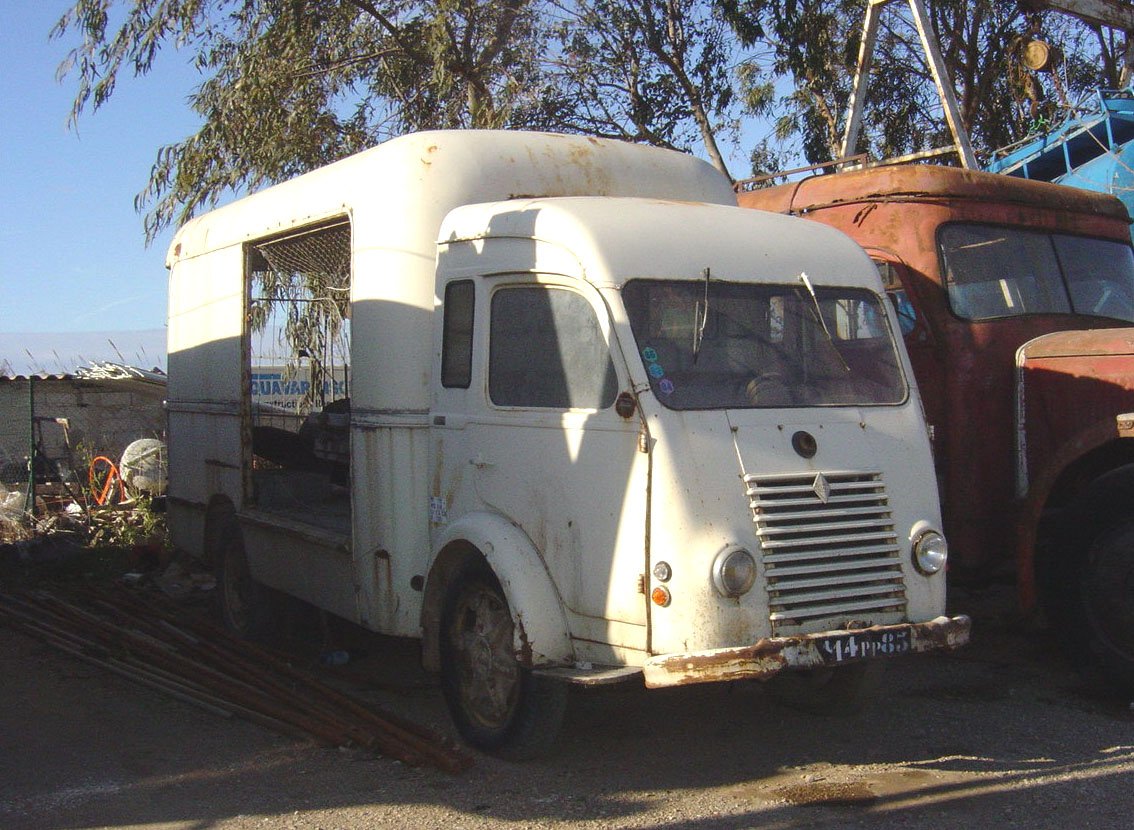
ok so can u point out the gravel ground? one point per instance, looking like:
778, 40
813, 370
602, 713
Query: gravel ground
1000, 734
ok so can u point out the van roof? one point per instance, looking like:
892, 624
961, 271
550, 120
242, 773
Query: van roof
617, 239
405, 186
914, 182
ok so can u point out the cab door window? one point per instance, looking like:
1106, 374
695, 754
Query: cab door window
547, 349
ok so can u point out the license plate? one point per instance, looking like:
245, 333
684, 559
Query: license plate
860, 645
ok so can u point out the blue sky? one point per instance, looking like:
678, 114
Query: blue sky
72, 249
73, 257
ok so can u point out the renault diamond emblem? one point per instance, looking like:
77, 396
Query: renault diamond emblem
822, 488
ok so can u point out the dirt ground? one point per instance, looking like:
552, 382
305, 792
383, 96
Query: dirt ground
1000, 734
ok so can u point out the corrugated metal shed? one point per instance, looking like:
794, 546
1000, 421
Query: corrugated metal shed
97, 410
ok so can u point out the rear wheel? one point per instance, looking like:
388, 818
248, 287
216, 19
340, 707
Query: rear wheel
1106, 583
243, 604
828, 691
497, 705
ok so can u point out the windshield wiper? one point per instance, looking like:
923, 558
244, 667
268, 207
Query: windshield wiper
700, 317
819, 315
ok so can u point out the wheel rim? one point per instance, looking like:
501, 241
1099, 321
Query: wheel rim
1109, 589
488, 676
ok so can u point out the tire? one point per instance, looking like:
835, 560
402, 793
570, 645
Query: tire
498, 706
243, 604
1106, 604
828, 691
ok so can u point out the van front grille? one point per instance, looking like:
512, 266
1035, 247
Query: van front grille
828, 546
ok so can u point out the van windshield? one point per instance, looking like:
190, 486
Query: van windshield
763, 346
995, 272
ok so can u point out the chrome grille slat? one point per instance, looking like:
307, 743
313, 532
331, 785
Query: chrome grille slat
857, 590
811, 515
837, 578
814, 612
828, 545
779, 504
852, 522
829, 567
826, 540
827, 556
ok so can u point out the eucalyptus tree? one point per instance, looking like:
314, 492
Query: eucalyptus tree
289, 85
665, 72
816, 45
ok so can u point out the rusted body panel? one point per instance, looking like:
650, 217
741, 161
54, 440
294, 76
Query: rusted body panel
769, 656
1069, 387
1071, 384
966, 368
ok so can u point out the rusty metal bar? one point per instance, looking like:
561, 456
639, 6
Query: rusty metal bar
411, 736
195, 661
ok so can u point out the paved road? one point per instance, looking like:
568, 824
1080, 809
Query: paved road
999, 735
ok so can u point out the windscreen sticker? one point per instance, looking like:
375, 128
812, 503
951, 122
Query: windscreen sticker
657, 371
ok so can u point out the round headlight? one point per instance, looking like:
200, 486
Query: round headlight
930, 552
734, 572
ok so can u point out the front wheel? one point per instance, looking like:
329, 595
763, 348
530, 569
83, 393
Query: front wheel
497, 705
1106, 584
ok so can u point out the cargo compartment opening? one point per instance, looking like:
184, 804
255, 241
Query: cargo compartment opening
299, 374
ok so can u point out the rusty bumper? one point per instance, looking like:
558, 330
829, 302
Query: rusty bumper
769, 656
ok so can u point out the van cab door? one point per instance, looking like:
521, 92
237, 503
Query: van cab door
544, 447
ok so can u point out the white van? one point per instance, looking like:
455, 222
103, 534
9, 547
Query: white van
556, 406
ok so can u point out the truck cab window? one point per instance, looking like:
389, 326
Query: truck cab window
993, 272
546, 349
764, 346
457, 334
1100, 275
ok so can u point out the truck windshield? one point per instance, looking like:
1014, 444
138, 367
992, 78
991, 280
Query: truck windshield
763, 346
995, 272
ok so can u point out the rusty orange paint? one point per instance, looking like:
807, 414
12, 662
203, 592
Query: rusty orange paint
966, 370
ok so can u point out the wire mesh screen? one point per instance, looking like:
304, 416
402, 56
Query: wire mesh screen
300, 321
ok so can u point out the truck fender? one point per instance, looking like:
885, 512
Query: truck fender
1091, 438
540, 637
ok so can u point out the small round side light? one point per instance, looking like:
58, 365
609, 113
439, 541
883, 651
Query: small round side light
662, 572
661, 596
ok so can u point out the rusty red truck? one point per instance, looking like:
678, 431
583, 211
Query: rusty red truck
1016, 301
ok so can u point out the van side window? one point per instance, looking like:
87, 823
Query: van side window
546, 349
457, 335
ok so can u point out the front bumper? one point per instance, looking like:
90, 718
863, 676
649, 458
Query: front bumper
769, 656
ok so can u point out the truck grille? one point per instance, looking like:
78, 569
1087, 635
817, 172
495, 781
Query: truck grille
828, 546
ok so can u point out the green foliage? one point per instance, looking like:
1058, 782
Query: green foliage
662, 72
816, 45
131, 525
289, 85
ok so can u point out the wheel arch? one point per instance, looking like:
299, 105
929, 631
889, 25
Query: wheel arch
541, 635
219, 511
1072, 486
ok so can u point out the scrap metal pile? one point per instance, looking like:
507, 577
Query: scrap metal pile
200, 663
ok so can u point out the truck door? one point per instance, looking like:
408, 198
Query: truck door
551, 454
925, 357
